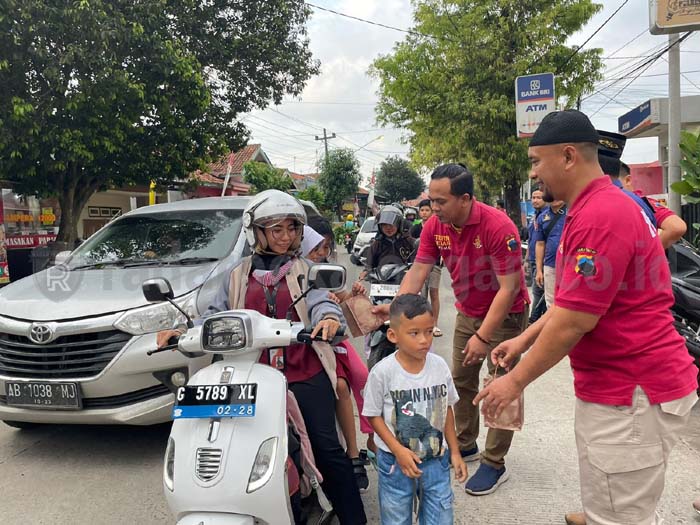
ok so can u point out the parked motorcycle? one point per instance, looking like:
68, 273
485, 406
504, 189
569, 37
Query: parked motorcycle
685, 283
226, 461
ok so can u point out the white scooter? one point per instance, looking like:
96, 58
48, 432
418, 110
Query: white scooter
226, 458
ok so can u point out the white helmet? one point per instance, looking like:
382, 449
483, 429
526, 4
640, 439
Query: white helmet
267, 207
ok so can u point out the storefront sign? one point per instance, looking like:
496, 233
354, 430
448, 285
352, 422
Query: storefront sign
18, 242
4, 268
674, 16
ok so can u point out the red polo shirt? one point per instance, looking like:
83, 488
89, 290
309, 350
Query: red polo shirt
486, 246
611, 264
660, 211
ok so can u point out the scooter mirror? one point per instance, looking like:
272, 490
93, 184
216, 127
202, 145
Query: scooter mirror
327, 277
157, 290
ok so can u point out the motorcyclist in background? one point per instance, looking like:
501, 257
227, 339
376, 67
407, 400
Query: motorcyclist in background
389, 246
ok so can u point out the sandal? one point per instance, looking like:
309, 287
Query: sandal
437, 332
358, 469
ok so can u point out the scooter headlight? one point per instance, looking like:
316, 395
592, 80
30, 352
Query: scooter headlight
222, 334
262, 469
169, 465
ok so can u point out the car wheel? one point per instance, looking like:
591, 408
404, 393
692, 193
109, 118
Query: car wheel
24, 425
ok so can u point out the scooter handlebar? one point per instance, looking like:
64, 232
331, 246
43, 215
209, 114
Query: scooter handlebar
305, 337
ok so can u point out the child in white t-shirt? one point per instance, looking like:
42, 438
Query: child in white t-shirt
409, 399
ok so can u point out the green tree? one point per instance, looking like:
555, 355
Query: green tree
339, 177
100, 94
398, 181
454, 91
689, 185
315, 195
264, 177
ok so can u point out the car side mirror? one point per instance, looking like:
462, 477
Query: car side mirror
61, 258
157, 290
329, 277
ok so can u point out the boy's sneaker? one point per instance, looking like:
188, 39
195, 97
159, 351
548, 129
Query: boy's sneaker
486, 480
358, 468
471, 455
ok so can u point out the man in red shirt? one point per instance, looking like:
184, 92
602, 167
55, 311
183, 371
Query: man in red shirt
633, 378
480, 247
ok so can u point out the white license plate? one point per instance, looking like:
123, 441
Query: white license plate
384, 290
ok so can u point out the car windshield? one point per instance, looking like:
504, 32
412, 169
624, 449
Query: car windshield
369, 226
177, 237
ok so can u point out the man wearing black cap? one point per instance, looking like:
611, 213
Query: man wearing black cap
610, 147
633, 378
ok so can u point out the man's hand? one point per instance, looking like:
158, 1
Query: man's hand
334, 297
408, 462
460, 467
164, 336
508, 351
498, 395
539, 278
358, 289
328, 327
382, 311
475, 351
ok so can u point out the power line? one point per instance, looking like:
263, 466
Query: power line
358, 19
644, 66
314, 126
642, 69
643, 32
559, 69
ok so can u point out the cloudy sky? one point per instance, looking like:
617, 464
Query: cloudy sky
342, 97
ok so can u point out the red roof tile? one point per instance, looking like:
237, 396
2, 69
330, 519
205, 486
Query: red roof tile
237, 159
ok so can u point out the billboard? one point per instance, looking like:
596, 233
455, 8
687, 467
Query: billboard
534, 99
4, 267
673, 16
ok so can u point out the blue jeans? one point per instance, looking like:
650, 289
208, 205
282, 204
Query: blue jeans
396, 491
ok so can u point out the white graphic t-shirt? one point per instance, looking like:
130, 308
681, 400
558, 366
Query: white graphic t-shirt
413, 406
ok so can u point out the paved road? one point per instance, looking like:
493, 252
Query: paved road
112, 475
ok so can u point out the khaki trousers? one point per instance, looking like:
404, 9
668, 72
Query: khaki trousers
623, 452
550, 275
466, 380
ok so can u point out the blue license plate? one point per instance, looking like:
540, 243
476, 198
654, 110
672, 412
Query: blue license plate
208, 411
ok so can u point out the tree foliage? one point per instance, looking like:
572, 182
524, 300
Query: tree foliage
315, 195
689, 185
100, 94
263, 177
455, 91
398, 181
339, 177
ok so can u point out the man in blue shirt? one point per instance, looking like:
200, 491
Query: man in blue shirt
550, 225
538, 303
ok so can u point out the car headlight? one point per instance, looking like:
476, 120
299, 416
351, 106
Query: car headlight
262, 469
157, 317
169, 465
223, 334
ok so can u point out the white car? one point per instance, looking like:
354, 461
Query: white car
364, 238
74, 337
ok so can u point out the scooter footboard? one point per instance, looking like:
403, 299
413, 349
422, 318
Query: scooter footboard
215, 518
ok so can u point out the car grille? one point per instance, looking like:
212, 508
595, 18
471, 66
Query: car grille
69, 356
208, 463
120, 400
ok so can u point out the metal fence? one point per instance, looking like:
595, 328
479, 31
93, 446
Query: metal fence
690, 213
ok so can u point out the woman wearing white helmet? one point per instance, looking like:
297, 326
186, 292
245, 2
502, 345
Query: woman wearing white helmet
266, 281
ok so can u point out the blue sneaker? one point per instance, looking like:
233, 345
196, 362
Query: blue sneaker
486, 480
470, 455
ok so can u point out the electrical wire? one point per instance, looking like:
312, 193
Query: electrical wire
379, 24
560, 68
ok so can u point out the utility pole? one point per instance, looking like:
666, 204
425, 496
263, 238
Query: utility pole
325, 140
674, 121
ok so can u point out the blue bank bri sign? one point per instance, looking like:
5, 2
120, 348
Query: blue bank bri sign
534, 99
640, 117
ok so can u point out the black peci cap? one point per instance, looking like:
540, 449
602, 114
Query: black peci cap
563, 127
611, 144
